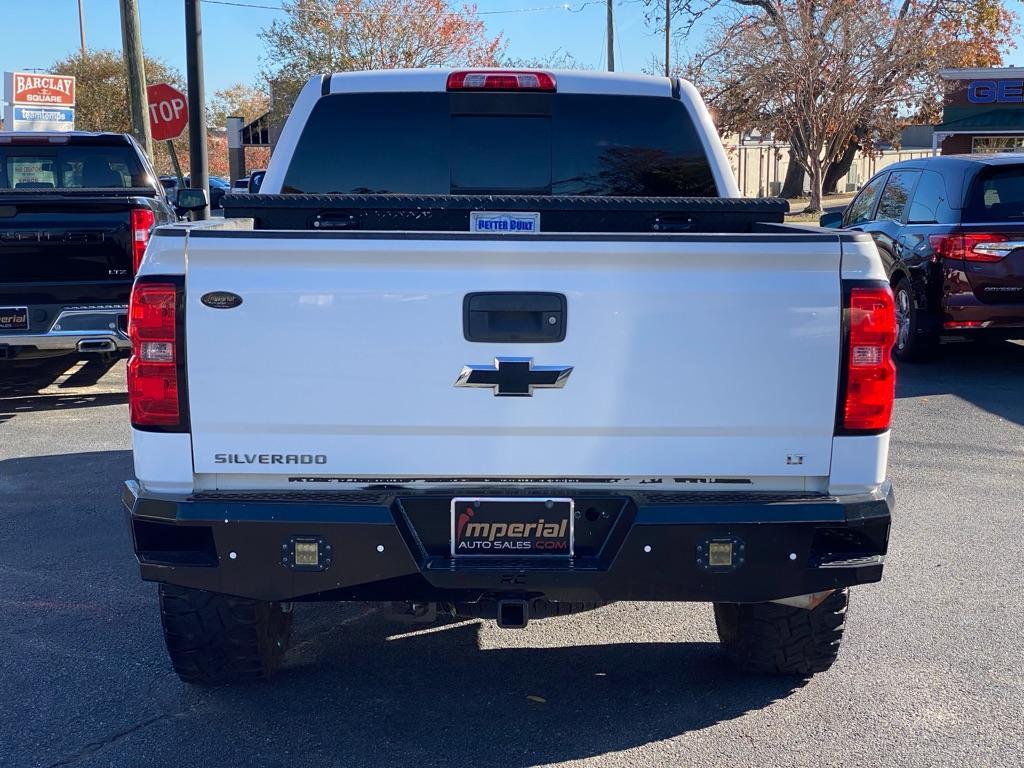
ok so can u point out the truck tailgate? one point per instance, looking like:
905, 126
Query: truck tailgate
692, 356
51, 239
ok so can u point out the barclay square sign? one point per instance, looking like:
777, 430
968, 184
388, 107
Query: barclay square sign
39, 102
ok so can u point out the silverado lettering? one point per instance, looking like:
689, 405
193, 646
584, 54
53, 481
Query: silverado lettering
270, 458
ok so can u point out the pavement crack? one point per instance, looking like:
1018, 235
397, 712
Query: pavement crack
95, 746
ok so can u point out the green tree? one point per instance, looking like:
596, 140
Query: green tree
238, 100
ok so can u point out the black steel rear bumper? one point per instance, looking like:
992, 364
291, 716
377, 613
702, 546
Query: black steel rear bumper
653, 548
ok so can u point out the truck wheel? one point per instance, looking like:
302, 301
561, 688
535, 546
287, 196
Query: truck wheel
216, 639
772, 639
911, 343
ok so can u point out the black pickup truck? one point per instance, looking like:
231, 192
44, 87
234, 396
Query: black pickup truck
76, 211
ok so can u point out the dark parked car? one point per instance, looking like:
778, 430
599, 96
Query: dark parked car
76, 212
950, 230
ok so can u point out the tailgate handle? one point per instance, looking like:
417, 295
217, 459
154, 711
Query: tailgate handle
514, 317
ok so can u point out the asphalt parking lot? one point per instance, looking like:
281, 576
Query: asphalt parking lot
930, 673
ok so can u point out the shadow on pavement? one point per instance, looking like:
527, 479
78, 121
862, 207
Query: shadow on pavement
404, 700
23, 377
989, 375
95, 368
55, 485
12, 406
22, 381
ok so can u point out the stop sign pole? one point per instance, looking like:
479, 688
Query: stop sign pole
168, 116
177, 166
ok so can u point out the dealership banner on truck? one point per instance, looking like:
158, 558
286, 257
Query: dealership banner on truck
39, 102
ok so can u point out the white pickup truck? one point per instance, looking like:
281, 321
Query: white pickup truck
508, 345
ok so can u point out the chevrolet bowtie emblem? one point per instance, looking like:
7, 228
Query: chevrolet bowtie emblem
514, 376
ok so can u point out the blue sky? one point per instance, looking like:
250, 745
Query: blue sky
232, 46
38, 32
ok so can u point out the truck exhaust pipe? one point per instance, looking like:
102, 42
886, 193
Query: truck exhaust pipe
97, 345
513, 614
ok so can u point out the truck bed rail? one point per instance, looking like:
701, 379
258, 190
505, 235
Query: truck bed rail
452, 212
9, 194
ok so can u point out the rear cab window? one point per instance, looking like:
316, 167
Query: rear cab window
500, 143
35, 166
996, 194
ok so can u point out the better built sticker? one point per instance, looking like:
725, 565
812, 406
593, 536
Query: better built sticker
504, 222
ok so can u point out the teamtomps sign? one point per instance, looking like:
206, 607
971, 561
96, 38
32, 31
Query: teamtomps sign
42, 118
39, 102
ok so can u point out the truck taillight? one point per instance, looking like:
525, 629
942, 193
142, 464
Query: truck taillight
153, 368
870, 372
143, 220
501, 81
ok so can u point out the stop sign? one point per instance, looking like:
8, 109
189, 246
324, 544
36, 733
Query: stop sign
168, 111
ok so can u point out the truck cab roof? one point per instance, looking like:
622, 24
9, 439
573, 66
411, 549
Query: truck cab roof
566, 81
65, 137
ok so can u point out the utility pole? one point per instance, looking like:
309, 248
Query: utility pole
611, 37
199, 170
81, 25
131, 34
668, 27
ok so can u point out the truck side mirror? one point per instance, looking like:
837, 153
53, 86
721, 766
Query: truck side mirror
832, 220
190, 200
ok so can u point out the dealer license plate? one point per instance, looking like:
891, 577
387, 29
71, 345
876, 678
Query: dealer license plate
511, 527
13, 318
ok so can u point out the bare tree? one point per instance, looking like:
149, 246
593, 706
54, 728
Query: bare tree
557, 59
820, 73
320, 36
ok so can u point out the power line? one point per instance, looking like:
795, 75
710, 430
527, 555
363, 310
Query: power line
536, 9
